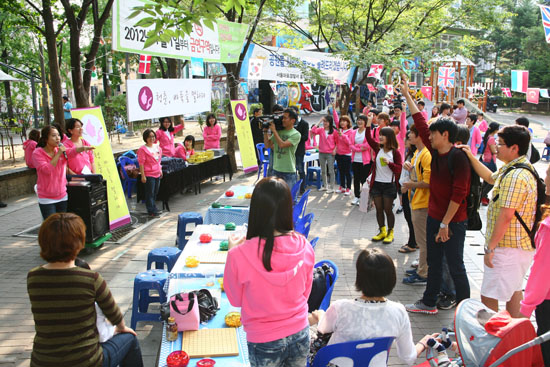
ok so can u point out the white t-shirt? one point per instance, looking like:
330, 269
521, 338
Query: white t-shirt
383, 171
359, 139
168, 134
350, 320
154, 151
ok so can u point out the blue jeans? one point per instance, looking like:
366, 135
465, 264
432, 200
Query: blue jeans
288, 177
286, 352
453, 250
122, 349
48, 209
151, 190
447, 284
301, 171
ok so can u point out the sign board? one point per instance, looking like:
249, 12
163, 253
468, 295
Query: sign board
244, 135
151, 98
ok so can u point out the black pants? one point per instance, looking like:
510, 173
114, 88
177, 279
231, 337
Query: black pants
344, 169
542, 315
408, 218
360, 173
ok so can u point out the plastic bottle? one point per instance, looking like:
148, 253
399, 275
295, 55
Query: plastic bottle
171, 330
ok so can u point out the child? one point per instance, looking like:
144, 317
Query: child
30, 145
475, 135
187, 149
212, 133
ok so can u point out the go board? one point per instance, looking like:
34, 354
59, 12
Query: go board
210, 343
210, 254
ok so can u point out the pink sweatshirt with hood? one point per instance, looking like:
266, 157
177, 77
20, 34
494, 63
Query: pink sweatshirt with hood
326, 143
212, 136
167, 143
358, 148
151, 166
80, 160
273, 303
51, 181
29, 146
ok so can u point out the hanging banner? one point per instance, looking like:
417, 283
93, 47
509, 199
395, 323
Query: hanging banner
427, 92
150, 98
376, 71
273, 88
506, 92
446, 77
197, 66
95, 132
371, 87
282, 64
244, 136
244, 87
388, 88
231, 37
532, 95
144, 64
544, 93
255, 67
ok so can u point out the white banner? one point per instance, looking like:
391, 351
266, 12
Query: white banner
277, 64
202, 42
151, 98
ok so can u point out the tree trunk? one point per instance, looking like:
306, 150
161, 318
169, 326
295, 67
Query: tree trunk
81, 95
7, 89
233, 87
45, 102
55, 77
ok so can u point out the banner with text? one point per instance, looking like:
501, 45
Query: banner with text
95, 132
287, 65
150, 98
244, 135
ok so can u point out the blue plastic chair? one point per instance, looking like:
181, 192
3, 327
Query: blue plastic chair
183, 220
163, 255
128, 183
294, 191
546, 153
361, 351
130, 154
300, 208
331, 279
264, 161
143, 283
303, 225
313, 242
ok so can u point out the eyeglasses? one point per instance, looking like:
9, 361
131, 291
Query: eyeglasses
152, 136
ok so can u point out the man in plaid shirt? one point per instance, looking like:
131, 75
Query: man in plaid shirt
508, 251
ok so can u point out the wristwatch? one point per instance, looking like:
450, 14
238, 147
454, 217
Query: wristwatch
488, 250
443, 225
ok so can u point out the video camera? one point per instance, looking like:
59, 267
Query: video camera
275, 119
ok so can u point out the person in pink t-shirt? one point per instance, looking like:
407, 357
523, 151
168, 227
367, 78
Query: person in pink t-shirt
187, 149
326, 134
82, 163
212, 133
165, 136
481, 123
30, 145
269, 274
149, 156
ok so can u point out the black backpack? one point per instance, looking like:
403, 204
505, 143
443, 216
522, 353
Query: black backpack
474, 196
535, 155
541, 198
319, 288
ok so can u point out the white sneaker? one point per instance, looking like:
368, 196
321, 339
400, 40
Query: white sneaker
330, 190
414, 264
348, 192
339, 190
355, 201
323, 188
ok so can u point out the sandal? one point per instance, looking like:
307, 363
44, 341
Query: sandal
405, 249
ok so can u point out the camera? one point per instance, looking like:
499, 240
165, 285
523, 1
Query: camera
275, 119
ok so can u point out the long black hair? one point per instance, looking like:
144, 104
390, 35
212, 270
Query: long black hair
171, 128
69, 125
270, 210
45, 134
330, 121
208, 117
493, 126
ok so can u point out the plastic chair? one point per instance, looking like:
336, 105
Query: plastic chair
128, 183
313, 242
143, 283
163, 255
546, 153
309, 177
183, 220
330, 283
130, 154
303, 225
300, 208
294, 191
361, 351
260, 147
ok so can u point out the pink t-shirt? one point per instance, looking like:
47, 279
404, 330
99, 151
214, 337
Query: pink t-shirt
483, 126
80, 160
212, 135
487, 154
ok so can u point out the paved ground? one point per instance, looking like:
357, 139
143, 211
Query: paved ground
342, 228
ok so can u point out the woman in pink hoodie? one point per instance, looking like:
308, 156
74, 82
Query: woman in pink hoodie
269, 275
343, 153
82, 163
360, 157
212, 133
165, 136
30, 145
475, 133
50, 161
149, 156
327, 150
187, 149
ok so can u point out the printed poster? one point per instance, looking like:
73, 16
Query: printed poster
95, 133
244, 135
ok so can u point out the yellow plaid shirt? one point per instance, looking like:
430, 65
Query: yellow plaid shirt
517, 190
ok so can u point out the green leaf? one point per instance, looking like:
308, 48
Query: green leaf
165, 37
150, 40
135, 13
145, 22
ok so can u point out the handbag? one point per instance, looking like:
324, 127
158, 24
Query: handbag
184, 308
207, 306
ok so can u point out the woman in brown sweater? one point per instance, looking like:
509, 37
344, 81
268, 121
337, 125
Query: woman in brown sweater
62, 300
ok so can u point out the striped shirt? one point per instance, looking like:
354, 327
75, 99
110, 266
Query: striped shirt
62, 304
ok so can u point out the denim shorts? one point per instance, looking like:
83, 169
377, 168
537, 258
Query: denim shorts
285, 352
385, 189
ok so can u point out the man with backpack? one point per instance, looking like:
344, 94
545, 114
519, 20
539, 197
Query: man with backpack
447, 208
510, 219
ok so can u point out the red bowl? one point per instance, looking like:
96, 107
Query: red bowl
205, 238
206, 363
177, 359
229, 193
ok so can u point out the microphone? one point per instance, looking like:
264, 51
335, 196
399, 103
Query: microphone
64, 153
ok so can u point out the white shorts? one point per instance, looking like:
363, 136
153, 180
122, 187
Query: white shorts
506, 276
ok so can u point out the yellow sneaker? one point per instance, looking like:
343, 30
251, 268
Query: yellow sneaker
381, 235
389, 237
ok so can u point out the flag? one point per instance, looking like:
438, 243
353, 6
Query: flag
520, 80
544, 93
545, 13
273, 88
376, 70
412, 84
389, 88
144, 64
506, 92
307, 87
371, 87
427, 92
533, 95
446, 77
255, 67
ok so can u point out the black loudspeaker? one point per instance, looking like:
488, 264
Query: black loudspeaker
89, 201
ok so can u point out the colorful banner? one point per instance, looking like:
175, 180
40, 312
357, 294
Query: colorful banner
506, 92
197, 66
244, 136
281, 64
376, 71
545, 15
532, 95
144, 64
544, 93
427, 92
388, 88
95, 132
446, 77
231, 36
520, 80
150, 98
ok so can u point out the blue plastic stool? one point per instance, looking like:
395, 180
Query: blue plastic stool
183, 220
143, 283
309, 178
163, 255
546, 153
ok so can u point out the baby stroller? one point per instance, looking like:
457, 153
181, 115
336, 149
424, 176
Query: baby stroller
488, 339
